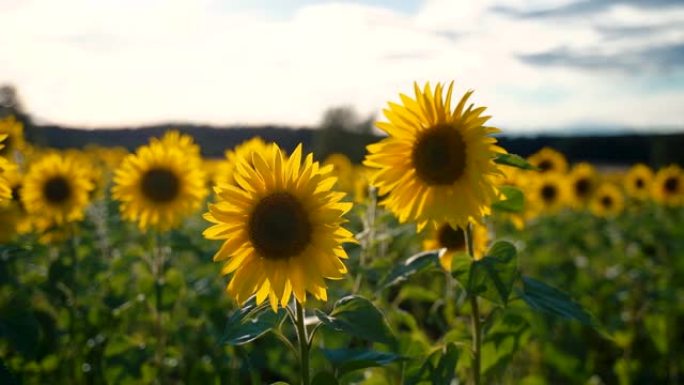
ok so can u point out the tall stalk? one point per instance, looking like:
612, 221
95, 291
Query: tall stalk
475, 308
303, 343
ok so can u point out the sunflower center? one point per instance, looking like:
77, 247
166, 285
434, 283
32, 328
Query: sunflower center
57, 190
545, 165
450, 238
160, 185
607, 201
639, 183
671, 184
549, 193
439, 156
5, 146
582, 187
279, 227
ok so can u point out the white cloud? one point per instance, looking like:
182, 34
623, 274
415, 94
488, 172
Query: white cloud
115, 63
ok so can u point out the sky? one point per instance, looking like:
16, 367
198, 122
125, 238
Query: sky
558, 66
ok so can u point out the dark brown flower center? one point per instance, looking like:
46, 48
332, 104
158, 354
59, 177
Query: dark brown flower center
545, 165
639, 183
582, 187
160, 185
671, 184
549, 193
439, 155
607, 201
57, 190
279, 227
450, 238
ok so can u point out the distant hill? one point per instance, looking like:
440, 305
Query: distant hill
658, 149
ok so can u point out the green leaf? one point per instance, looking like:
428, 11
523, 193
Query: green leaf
444, 373
348, 360
546, 299
324, 378
249, 323
514, 201
492, 277
514, 161
357, 316
410, 266
281, 383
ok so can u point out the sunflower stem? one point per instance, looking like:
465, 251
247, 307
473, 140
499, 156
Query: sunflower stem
475, 308
303, 343
158, 271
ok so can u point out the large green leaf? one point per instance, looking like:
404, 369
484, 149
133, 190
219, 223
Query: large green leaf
544, 298
324, 378
249, 323
491, 277
514, 161
441, 372
410, 266
513, 202
357, 316
348, 360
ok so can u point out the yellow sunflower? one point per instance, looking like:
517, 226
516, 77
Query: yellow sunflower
55, 190
638, 181
184, 142
361, 183
608, 201
668, 186
282, 228
437, 165
549, 160
547, 193
453, 240
5, 191
22, 222
159, 185
14, 130
583, 181
242, 151
343, 169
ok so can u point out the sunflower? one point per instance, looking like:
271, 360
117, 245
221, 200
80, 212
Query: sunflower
549, 160
242, 151
159, 185
14, 130
343, 169
668, 186
437, 165
517, 178
454, 241
638, 181
547, 192
5, 191
608, 201
184, 142
582, 183
55, 190
282, 228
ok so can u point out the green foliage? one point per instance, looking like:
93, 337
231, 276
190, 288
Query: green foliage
544, 298
358, 316
513, 161
513, 202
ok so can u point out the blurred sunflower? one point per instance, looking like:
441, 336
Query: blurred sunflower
547, 192
343, 170
638, 181
5, 191
607, 201
243, 150
55, 190
14, 130
437, 163
517, 178
454, 241
282, 228
184, 142
159, 185
361, 179
549, 160
582, 183
668, 186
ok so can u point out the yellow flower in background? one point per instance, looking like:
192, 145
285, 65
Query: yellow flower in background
281, 227
361, 180
243, 150
454, 241
343, 169
184, 142
583, 181
55, 190
608, 201
14, 140
159, 185
5, 191
638, 181
668, 186
22, 222
549, 160
547, 193
437, 163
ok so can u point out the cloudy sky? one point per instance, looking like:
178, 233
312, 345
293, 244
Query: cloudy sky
559, 65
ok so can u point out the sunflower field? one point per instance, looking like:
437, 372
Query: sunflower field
441, 259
